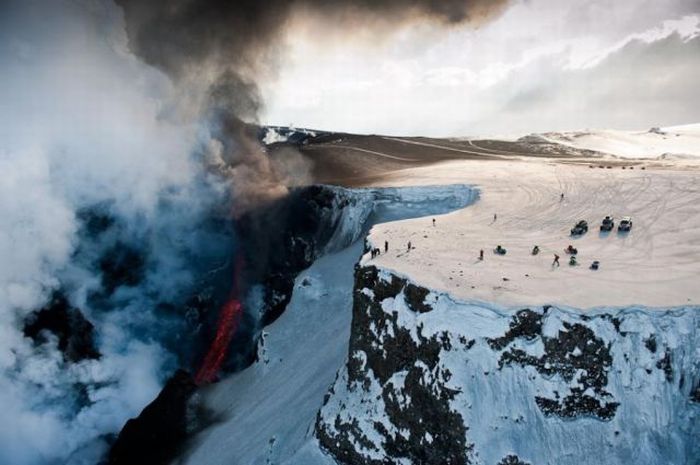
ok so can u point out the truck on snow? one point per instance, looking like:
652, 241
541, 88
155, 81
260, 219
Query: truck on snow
580, 228
608, 224
625, 224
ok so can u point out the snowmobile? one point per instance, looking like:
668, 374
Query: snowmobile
499, 250
595, 265
571, 250
572, 261
535, 250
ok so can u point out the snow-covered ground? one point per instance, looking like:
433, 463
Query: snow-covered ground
619, 344
670, 142
656, 264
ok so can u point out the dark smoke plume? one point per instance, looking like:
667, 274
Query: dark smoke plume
216, 50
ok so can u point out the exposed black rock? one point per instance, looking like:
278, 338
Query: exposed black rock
284, 238
415, 298
74, 332
512, 460
577, 404
665, 364
157, 435
122, 265
650, 343
526, 324
576, 354
421, 406
695, 393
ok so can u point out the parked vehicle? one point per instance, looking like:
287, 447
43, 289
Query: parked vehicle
580, 228
499, 250
595, 265
571, 250
608, 224
625, 224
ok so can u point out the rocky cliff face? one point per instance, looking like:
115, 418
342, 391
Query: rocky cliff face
160, 431
430, 380
287, 236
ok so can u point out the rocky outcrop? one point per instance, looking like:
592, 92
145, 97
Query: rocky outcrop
157, 435
285, 237
512, 460
575, 354
401, 368
431, 380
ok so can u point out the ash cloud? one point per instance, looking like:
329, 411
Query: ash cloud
215, 50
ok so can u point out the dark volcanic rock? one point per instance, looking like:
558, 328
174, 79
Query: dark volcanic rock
74, 332
695, 394
576, 354
122, 265
526, 324
157, 435
421, 406
666, 366
415, 298
285, 237
650, 343
512, 460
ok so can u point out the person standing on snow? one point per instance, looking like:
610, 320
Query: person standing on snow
556, 260
386, 246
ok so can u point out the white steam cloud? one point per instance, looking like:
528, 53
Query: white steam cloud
84, 123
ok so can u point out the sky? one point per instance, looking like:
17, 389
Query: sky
542, 65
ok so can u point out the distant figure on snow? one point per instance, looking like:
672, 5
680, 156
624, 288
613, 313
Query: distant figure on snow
409, 246
556, 260
495, 217
386, 246
481, 254
561, 199
433, 222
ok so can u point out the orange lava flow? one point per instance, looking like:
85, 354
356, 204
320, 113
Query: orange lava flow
226, 327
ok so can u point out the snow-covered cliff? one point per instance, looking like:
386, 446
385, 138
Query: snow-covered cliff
370, 366
432, 380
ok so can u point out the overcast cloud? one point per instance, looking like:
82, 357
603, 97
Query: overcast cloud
542, 65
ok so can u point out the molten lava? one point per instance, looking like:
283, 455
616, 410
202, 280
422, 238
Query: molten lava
226, 327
